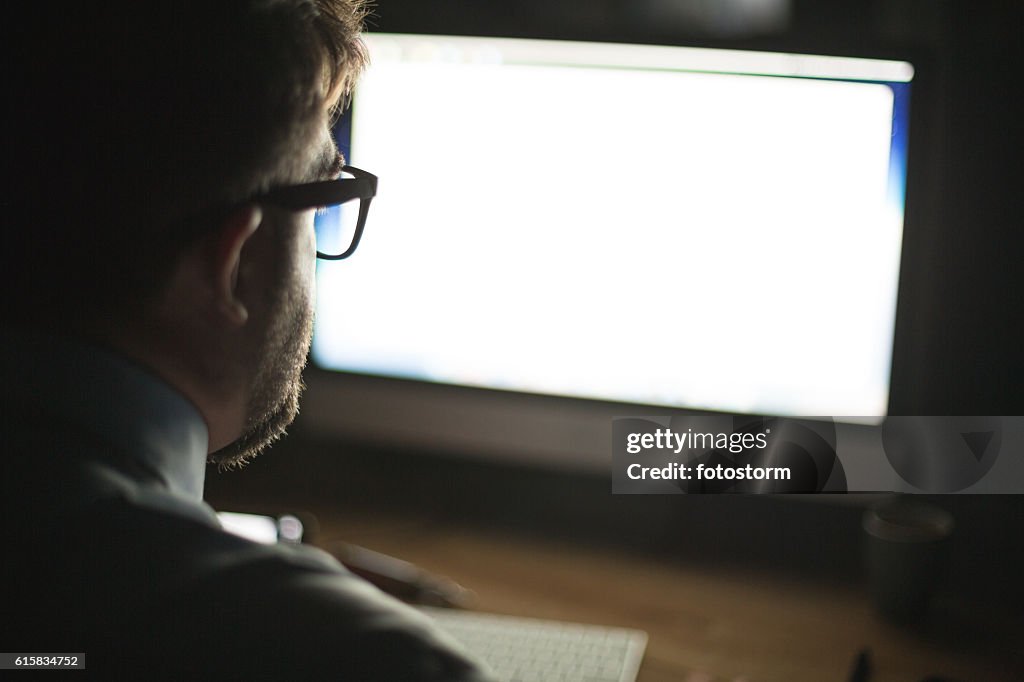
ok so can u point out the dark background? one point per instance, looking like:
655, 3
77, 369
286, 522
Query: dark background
957, 347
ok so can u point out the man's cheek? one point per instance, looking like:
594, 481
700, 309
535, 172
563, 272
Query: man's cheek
306, 254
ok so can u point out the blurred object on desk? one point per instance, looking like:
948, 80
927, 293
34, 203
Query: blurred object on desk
905, 555
400, 578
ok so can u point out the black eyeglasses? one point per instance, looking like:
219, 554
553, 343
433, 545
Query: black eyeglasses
337, 231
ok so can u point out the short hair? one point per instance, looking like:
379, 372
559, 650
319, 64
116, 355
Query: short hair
126, 117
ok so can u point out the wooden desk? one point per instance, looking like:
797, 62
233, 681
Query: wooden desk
704, 623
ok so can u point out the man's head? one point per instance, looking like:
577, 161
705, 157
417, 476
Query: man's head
139, 134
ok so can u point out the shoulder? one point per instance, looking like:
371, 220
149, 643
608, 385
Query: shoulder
297, 613
142, 592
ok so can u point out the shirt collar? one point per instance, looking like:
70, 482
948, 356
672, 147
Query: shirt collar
138, 413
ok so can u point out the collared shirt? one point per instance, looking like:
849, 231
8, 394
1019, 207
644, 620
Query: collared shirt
114, 554
159, 430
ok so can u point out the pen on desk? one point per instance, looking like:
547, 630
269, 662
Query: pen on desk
861, 670
400, 578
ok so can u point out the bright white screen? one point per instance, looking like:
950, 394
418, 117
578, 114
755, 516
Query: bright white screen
556, 219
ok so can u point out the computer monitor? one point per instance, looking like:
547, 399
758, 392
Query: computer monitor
569, 231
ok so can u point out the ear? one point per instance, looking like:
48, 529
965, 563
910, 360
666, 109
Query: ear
233, 235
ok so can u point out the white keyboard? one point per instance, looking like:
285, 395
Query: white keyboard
533, 650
